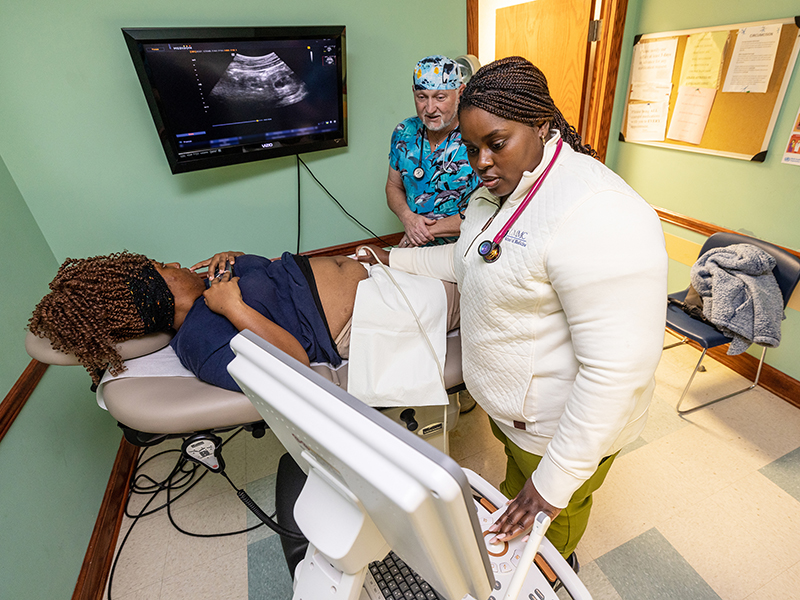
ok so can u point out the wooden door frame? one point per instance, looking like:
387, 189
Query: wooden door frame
604, 71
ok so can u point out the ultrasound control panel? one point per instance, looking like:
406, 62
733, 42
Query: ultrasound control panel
505, 556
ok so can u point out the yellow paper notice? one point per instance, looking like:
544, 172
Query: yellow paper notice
702, 60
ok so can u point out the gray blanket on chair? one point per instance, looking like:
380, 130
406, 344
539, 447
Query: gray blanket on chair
740, 295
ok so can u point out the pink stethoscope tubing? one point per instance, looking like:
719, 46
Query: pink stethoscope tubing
490, 251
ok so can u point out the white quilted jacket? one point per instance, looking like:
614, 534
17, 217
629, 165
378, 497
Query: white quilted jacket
564, 332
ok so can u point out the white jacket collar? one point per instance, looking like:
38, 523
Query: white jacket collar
528, 177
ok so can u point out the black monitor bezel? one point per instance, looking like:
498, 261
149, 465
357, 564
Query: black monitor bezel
135, 38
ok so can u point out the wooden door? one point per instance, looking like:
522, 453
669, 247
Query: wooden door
553, 35
605, 66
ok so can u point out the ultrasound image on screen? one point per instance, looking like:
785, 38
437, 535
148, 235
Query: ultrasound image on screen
258, 82
235, 93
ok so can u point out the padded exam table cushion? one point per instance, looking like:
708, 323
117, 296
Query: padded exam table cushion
185, 404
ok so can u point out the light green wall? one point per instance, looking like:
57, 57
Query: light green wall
57, 455
758, 199
54, 466
80, 143
25, 252
84, 174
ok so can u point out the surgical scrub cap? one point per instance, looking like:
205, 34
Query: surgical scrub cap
437, 73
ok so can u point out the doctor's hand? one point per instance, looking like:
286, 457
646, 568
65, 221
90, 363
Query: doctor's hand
365, 256
223, 296
521, 513
417, 229
216, 262
405, 242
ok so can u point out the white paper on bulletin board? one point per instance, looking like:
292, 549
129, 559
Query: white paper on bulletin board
654, 62
703, 60
647, 121
690, 115
753, 59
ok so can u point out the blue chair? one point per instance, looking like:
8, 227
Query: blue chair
787, 274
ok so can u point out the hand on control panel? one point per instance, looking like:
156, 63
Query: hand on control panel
504, 556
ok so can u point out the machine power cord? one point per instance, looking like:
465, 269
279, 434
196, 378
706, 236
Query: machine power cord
249, 503
180, 477
298, 206
187, 479
265, 518
360, 224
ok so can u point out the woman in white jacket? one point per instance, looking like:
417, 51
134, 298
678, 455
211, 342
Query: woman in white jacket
562, 272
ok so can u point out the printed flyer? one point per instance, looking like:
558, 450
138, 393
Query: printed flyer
791, 155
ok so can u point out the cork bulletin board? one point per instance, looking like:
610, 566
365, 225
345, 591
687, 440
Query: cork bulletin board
739, 123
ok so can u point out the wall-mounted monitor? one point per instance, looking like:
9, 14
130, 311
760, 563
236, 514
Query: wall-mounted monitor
221, 96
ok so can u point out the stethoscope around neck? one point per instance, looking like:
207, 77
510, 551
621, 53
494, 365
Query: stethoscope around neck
490, 251
419, 172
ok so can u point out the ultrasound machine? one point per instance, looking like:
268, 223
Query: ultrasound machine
387, 515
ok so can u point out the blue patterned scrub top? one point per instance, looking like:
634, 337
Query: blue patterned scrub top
447, 174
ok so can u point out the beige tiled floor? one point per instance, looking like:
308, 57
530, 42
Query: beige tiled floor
690, 490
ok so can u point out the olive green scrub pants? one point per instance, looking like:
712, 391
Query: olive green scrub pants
569, 526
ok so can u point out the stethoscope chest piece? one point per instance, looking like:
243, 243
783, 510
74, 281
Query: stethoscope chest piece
489, 251
419, 172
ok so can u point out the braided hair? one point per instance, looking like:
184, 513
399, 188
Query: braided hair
95, 303
513, 88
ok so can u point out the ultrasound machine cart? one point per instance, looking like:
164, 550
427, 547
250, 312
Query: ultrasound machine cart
373, 489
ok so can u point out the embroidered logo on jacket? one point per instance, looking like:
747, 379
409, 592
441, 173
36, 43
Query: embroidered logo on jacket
518, 237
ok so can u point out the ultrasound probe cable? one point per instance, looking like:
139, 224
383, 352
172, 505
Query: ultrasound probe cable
421, 328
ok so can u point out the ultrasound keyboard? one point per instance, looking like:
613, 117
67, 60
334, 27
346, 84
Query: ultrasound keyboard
393, 579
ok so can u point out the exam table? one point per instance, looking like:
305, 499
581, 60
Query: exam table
151, 409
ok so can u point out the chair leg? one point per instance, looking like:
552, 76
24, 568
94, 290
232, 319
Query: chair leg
747, 389
681, 343
691, 378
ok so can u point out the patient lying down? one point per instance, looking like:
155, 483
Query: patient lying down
303, 306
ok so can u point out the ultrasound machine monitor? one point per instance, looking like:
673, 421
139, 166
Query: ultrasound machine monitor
372, 485
225, 95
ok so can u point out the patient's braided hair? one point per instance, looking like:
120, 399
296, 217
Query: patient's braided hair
514, 89
96, 303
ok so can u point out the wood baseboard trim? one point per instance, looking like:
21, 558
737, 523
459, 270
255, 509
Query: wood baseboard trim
100, 552
698, 226
19, 393
772, 380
